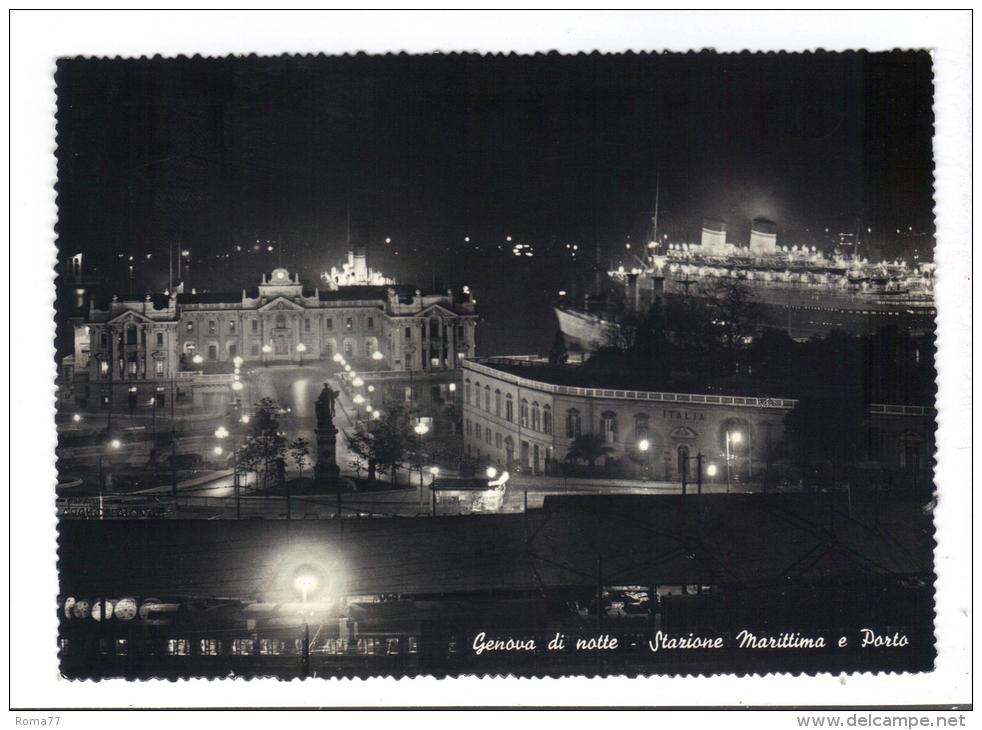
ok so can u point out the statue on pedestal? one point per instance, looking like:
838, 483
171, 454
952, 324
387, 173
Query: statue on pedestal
326, 467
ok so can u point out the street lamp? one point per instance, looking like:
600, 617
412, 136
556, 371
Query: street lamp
237, 361
337, 357
358, 399
197, 359
376, 415
357, 382
267, 348
347, 368
306, 581
643, 446
732, 437
421, 429
301, 349
491, 472
377, 355
711, 470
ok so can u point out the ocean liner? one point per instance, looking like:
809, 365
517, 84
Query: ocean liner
796, 288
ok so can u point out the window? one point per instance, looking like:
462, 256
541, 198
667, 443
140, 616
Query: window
409, 333
574, 426
546, 420
523, 414
242, 647
131, 366
103, 367
467, 426
348, 323
392, 645
640, 427
329, 323
306, 324
536, 417
509, 409
233, 351
131, 335
231, 326
460, 331
335, 646
210, 647
349, 348
213, 352
190, 327
122, 647
487, 398
467, 391
211, 326
683, 461
412, 644
255, 326
271, 647
497, 403
487, 435
254, 349
160, 339
497, 439
477, 395
178, 647
371, 323
608, 423
104, 340
158, 367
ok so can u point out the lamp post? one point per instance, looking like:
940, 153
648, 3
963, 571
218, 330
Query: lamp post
301, 349
732, 437
221, 433
267, 348
643, 446
112, 445
420, 429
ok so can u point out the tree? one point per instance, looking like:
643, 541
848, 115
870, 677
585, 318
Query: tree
734, 316
558, 354
588, 447
299, 451
386, 441
265, 445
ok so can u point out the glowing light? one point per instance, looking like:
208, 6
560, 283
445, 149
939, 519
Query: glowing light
115, 443
371, 388
435, 470
197, 359
269, 248
221, 432
644, 445
467, 239
421, 429
358, 399
77, 417
376, 415
357, 382
301, 347
736, 437
306, 581
388, 240
491, 472
377, 355
237, 385
337, 357
347, 368
711, 470
508, 238
245, 418
237, 361
218, 451
267, 348
453, 387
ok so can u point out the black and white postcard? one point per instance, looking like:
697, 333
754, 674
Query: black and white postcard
458, 364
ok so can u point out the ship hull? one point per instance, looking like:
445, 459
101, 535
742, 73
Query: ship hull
584, 331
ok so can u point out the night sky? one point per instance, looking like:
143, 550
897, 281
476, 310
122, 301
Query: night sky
210, 154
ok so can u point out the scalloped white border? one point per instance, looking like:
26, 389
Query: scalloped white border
37, 38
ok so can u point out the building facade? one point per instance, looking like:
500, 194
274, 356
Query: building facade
193, 339
515, 417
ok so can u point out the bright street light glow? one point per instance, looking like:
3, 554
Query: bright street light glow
197, 359
371, 388
358, 399
376, 415
218, 451
357, 382
77, 418
237, 361
245, 418
736, 437
434, 470
115, 443
305, 581
644, 444
491, 472
453, 387
337, 357
221, 432
347, 368
267, 348
237, 385
377, 355
421, 429
301, 347
711, 470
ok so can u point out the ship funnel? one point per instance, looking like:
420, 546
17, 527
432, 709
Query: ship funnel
713, 235
763, 236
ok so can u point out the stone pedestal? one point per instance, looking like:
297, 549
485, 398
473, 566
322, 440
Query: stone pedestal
326, 469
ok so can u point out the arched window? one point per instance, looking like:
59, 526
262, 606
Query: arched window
281, 321
574, 426
523, 414
487, 398
608, 424
536, 417
640, 426
467, 391
434, 326
509, 408
477, 394
497, 403
349, 348
371, 345
546, 419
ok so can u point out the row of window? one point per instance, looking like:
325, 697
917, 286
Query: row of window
133, 367
530, 415
366, 645
129, 336
279, 323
